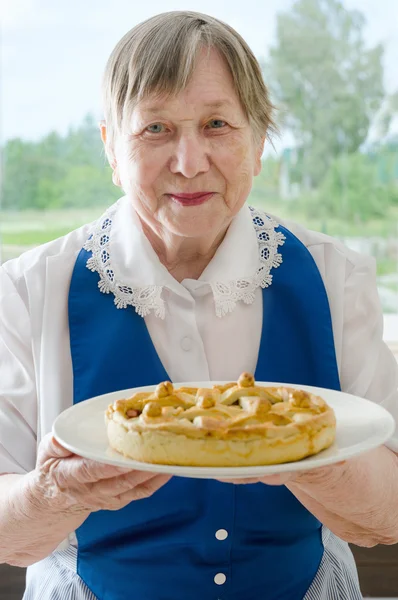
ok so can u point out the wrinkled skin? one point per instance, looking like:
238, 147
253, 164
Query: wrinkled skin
49, 503
67, 481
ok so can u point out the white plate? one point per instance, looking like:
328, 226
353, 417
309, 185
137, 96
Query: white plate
361, 426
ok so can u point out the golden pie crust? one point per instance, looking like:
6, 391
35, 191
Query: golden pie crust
233, 425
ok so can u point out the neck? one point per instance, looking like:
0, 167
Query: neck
184, 258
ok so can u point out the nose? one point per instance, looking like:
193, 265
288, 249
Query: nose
190, 156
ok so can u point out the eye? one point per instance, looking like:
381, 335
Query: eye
216, 124
155, 128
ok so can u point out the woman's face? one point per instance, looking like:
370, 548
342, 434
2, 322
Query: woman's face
188, 161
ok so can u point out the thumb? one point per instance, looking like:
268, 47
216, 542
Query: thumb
50, 448
59, 450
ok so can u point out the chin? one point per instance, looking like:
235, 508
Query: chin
190, 229
195, 221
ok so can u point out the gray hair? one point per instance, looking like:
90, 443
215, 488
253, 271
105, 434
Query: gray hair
159, 55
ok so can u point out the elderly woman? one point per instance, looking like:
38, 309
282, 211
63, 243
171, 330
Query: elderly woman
181, 280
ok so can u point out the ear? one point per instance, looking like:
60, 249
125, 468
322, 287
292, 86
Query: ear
104, 138
116, 178
111, 159
258, 154
102, 127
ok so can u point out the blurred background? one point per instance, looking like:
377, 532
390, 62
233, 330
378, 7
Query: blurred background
332, 68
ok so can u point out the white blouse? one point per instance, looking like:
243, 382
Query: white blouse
192, 342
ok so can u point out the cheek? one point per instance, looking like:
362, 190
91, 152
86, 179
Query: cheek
235, 162
140, 168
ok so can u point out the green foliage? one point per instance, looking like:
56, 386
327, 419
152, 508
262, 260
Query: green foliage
58, 172
352, 190
327, 82
386, 114
329, 85
351, 195
33, 237
266, 184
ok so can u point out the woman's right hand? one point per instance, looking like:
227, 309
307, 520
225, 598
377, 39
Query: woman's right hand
40, 509
66, 482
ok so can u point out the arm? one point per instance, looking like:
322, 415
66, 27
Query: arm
32, 522
358, 499
26, 528
38, 510
28, 533
18, 400
43, 500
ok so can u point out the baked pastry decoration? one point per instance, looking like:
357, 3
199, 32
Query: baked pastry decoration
232, 425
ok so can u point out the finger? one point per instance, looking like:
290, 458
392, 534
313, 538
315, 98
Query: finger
114, 486
105, 495
50, 448
76, 469
91, 471
279, 479
58, 449
145, 490
140, 492
241, 481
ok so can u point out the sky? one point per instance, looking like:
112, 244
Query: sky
53, 52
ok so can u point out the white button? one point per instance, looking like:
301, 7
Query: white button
220, 579
222, 534
186, 343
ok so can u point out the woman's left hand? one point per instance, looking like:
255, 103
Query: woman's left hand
320, 474
355, 499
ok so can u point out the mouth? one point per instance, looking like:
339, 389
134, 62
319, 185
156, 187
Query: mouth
191, 199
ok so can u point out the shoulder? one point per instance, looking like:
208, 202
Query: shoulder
330, 254
31, 265
350, 283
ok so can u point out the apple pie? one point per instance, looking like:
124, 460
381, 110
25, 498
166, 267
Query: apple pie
237, 424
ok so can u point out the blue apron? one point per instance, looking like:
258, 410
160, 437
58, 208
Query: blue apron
164, 547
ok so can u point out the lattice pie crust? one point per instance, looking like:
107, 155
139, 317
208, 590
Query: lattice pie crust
237, 424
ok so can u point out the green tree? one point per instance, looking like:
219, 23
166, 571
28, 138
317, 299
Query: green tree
58, 172
19, 180
84, 146
388, 111
352, 191
328, 84
266, 184
26, 165
87, 186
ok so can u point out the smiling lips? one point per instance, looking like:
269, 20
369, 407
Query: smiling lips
191, 199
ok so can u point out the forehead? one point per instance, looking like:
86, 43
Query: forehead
210, 87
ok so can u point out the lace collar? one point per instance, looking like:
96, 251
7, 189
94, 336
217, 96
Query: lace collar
147, 298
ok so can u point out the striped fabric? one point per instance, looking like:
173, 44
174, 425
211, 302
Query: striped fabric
55, 577
337, 577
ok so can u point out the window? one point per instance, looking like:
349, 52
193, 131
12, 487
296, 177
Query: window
332, 73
